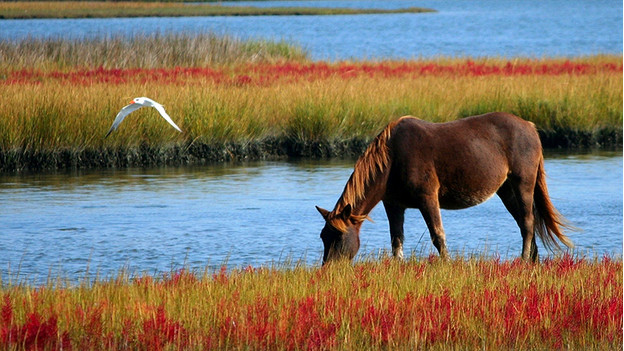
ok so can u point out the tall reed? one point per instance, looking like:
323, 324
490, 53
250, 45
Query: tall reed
159, 50
53, 115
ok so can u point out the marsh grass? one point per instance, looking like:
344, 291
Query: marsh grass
42, 126
94, 9
159, 50
239, 99
42, 116
377, 303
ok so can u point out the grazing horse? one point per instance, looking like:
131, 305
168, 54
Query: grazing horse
417, 164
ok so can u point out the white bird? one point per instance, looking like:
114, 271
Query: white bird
136, 104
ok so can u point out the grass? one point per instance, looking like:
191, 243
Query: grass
237, 98
97, 9
160, 50
467, 303
302, 102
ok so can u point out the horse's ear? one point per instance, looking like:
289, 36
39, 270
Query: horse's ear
323, 212
346, 212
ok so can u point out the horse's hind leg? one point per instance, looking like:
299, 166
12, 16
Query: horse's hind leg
396, 217
430, 210
518, 200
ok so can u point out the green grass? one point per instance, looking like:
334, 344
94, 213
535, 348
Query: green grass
80, 9
42, 116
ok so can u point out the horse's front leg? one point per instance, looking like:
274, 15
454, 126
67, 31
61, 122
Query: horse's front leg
430, 209
396, 217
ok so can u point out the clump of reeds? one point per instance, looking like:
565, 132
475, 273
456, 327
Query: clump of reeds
159, 50
467, 303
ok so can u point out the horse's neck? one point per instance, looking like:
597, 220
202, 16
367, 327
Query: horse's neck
367, 183
362, 197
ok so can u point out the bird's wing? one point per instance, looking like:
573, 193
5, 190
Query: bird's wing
164, 114
121, 115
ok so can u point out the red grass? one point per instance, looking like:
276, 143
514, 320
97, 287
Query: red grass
266, 74
160, 331
496, 311
35, 333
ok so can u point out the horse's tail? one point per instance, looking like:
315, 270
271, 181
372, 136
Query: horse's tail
548, 221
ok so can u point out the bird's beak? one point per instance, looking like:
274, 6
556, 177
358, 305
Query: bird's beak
132, 102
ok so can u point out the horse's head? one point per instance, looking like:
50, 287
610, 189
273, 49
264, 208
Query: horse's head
341, 234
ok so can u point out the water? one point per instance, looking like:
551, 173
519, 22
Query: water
505, 28
155, 220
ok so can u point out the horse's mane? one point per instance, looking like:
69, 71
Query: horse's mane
371, 164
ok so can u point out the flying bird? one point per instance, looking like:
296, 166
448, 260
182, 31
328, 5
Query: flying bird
136, 104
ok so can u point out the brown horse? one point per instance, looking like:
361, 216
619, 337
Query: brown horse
454, 165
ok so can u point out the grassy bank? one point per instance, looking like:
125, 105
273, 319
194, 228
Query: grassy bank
57, 119
101, 9
257, 100
467, 303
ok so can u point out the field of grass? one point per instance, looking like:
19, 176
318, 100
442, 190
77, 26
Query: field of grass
94, 9
236, 99
423, 304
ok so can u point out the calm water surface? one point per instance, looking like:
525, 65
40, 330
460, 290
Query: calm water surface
155, 220
506, 28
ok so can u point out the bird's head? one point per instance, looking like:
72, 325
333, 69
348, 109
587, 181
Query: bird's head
141, 101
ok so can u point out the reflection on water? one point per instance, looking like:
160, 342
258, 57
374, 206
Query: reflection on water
155, 220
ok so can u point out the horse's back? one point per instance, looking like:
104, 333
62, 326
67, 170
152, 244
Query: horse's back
465, 160
488, 133
516, 137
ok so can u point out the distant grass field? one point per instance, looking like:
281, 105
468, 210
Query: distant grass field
160, 50
422, 304
95, 9
60, 97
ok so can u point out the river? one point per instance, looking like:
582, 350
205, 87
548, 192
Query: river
84, 223
502, 28
73, 224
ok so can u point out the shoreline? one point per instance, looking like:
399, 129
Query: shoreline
266, 149
78, 9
